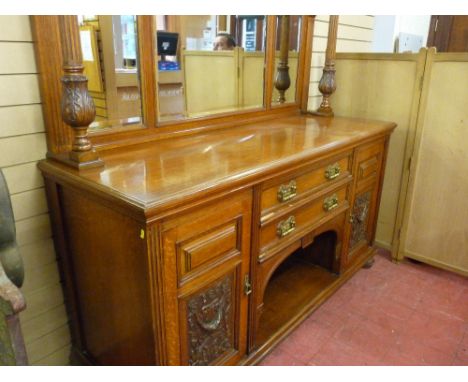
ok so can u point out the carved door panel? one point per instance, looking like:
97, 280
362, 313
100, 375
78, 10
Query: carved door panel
206, 267
361, 219
210, 322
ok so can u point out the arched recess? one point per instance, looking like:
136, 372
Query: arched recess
319, 250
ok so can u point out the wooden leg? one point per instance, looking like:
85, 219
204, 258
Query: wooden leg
369, 263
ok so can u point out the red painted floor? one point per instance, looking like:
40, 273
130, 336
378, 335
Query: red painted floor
405, 314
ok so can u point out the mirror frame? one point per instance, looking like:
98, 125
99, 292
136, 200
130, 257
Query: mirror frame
47, 33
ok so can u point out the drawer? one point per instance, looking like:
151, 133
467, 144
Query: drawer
222, 241
297, 221
303, 184
368, 161
207, 237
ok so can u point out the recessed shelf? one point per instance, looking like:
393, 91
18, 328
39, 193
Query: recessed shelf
296, 284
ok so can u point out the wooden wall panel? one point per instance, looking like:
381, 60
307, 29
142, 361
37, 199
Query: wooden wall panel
22, 144
20, 120
23, 177
48, 344
33, 229
381, 89
29, 203
15, 28
43, 324
19, 89
38, 254
384, 87
436, 226
22, 149
17, 58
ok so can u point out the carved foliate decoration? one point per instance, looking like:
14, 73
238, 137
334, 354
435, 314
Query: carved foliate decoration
327, 87
210, 323
78, 109
359, 218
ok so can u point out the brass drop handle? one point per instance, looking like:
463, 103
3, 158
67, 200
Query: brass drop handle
332, 171
330, 203
285, 227
287, 191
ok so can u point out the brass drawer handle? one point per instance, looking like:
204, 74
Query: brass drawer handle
287, 192
285, 227
330, 203
332, 171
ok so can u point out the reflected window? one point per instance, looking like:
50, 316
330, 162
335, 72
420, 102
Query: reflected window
217, 67
110, 56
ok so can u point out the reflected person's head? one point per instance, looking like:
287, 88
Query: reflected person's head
224, 41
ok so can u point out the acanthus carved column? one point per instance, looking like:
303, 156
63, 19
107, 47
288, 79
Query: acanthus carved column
77, 106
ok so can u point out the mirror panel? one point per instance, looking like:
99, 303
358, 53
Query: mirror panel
288, 42
209, 64
109, 46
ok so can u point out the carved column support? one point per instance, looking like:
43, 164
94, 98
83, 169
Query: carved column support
77, 106
283, 80
327, 84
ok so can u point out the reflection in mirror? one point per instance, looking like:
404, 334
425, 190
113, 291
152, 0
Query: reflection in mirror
209, 64
288, 40
110, 57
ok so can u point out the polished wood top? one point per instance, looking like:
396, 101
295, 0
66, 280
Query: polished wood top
159, 174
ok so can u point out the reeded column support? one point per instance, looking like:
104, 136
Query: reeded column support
327, 84
77, 106
283, 80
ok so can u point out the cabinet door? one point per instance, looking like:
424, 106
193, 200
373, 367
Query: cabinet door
206, 260
364, 207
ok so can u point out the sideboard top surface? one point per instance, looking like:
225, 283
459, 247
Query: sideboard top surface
156, 174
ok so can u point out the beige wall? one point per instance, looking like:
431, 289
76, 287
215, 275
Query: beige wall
355, 34
22, 144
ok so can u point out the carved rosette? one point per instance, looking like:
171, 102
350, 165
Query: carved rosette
78, 109
359, 219
210, 323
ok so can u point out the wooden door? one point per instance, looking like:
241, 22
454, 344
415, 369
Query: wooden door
448, 33
206, 259
364, 207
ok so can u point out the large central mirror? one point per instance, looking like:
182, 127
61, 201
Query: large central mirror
209, 64
204, 65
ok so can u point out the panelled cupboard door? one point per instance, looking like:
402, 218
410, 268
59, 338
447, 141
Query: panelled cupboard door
206, 263
367, 172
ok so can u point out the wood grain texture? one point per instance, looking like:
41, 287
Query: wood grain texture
116, 262
46, 37
194, 217
435, 217
361, 75
163, 178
